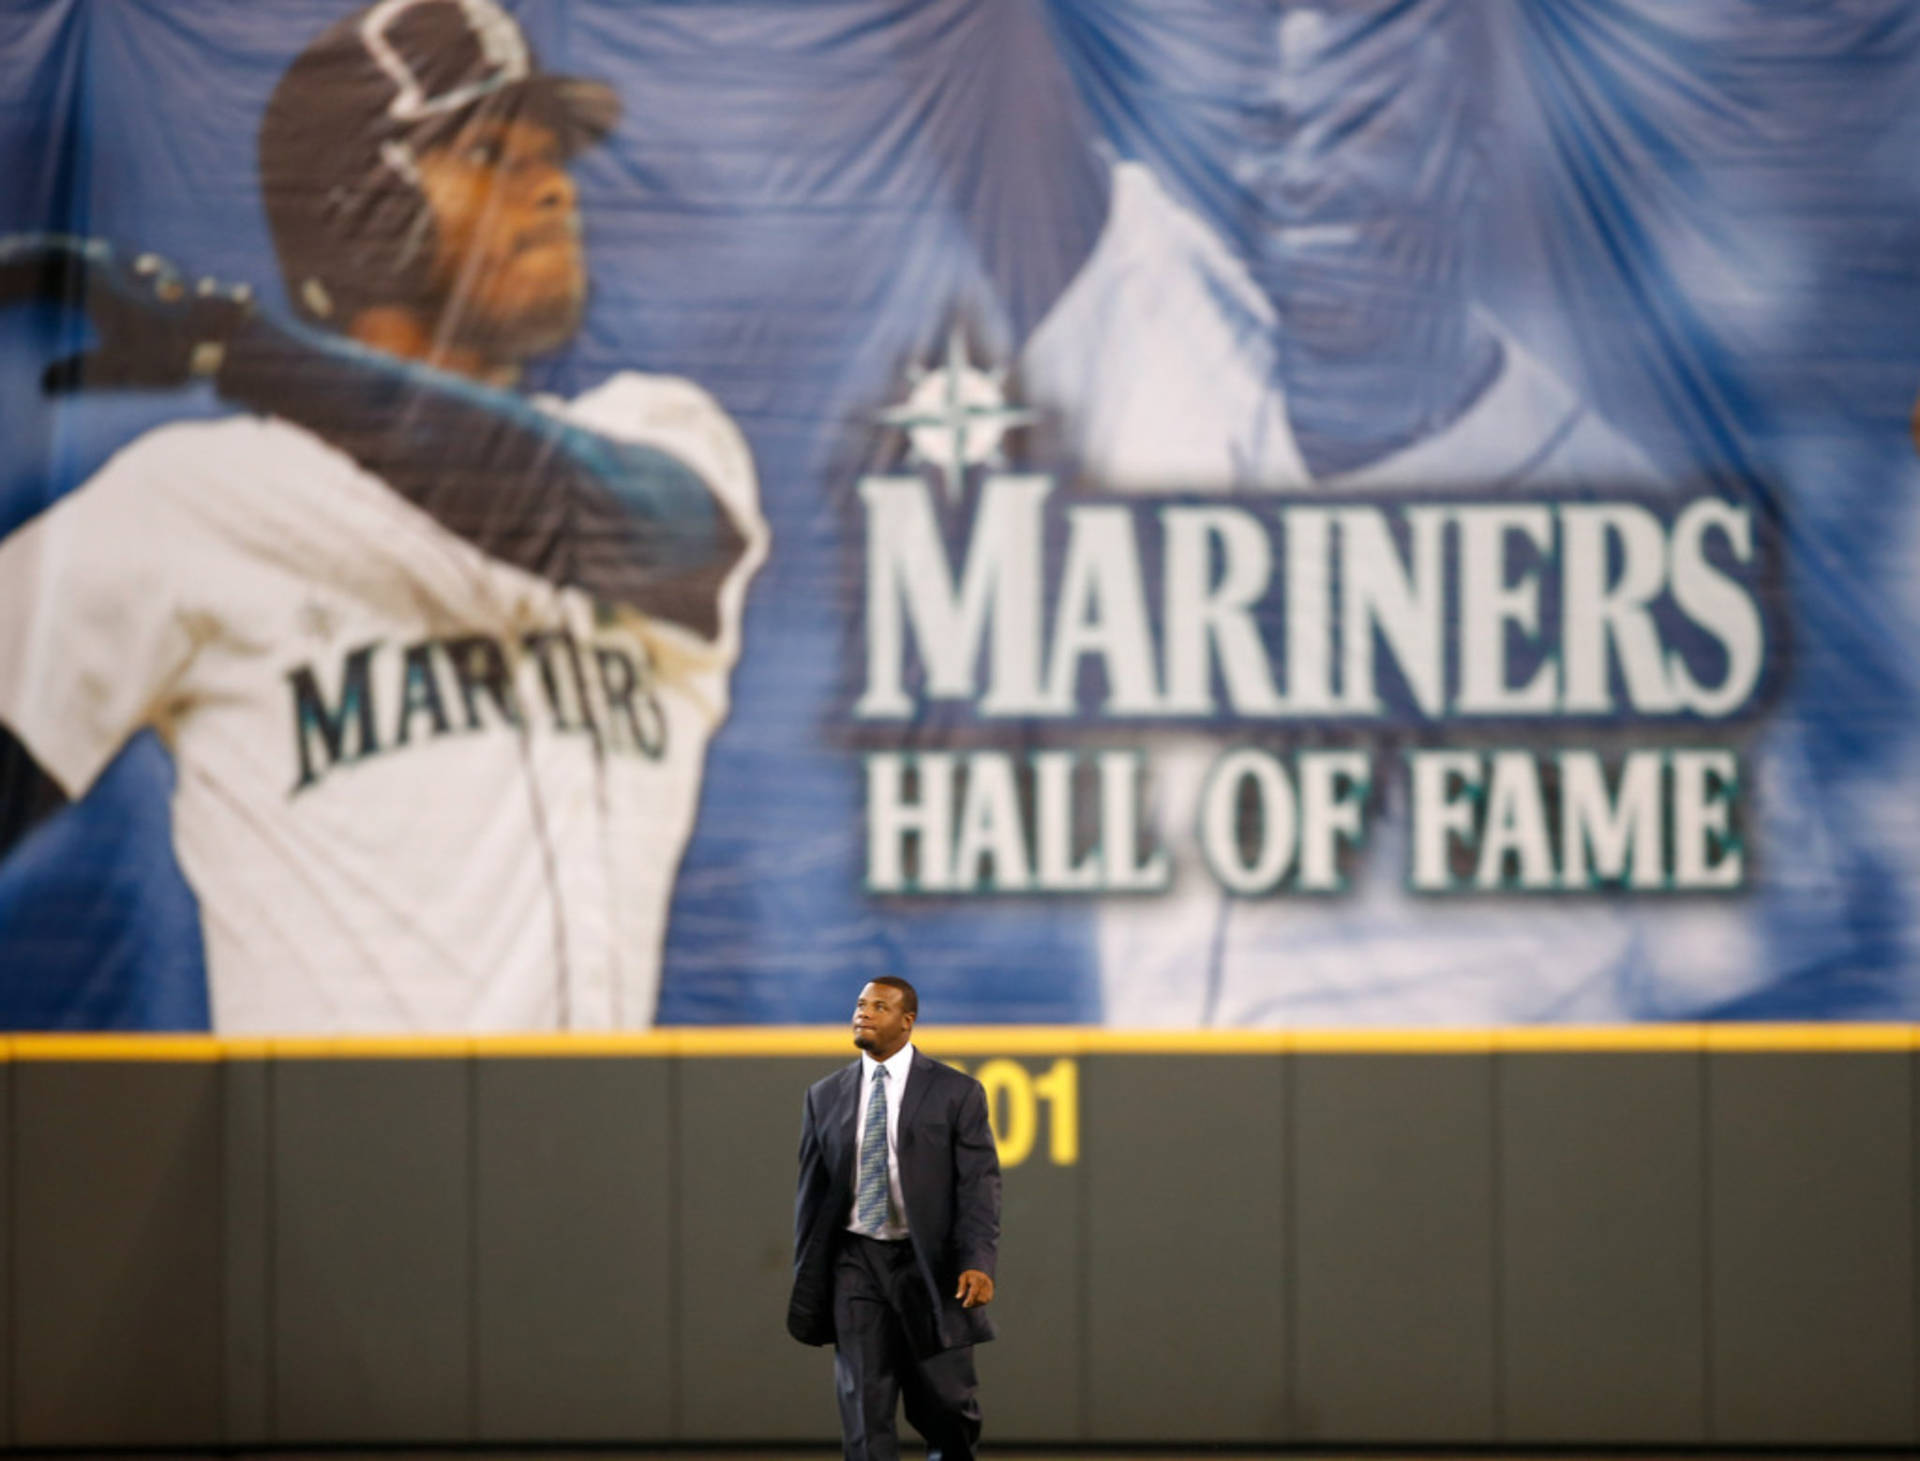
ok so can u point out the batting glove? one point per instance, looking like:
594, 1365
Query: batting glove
152, 327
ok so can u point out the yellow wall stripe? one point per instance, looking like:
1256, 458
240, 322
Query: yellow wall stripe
1524, 1038
828, 1041
370, 1047
584, 1043
118, 1047
1814, 1037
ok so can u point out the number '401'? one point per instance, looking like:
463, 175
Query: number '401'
1016, 1097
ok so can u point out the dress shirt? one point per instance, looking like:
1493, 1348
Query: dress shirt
898, 1065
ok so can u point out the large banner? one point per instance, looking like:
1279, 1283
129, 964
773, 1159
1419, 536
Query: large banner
587, 514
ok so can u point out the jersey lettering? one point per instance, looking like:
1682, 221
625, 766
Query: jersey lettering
420, 691
312, 718
480, 667
609, 695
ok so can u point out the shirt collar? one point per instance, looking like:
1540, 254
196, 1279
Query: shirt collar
1524, 408
896, 1064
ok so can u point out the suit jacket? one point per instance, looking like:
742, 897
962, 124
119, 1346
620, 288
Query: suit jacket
949, 1177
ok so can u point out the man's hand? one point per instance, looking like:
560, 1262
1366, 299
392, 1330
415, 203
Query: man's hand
975, 1289
152, 327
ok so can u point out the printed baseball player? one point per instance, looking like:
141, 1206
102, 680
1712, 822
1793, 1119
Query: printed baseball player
1334, 346
437, 663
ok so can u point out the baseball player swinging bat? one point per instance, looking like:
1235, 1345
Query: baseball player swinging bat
625, 521
437, 662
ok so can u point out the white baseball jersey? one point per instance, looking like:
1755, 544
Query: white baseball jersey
417, 789
1159, 361
1157, 358
1161, 358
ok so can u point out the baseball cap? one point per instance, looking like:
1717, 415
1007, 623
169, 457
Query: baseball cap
443, 57
418, 68
342, 133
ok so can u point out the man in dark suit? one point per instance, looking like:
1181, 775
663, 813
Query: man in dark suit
895, 1229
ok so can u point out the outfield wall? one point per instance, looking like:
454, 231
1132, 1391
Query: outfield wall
1670, 1235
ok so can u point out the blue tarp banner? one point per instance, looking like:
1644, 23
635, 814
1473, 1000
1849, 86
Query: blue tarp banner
1143, 512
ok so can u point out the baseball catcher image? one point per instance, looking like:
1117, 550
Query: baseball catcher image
437, 662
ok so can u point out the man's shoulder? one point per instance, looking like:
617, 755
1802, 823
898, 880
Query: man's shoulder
232, 445
673, 413
210, 466
925, 1067
827, 1084
629, 398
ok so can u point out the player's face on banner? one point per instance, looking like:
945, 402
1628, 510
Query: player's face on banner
1373, 116
508, 264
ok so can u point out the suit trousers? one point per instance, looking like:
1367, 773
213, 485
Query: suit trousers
880, 1309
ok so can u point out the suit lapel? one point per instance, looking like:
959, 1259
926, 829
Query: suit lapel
920, 1077
848, 1096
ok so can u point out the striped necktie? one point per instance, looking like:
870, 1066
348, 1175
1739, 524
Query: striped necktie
870, 1202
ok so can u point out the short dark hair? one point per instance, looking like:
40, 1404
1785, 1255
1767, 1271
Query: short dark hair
911, 1001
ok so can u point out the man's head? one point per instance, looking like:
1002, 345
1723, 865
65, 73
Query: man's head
1375, 115
1373, 124
412, 159
883, 1016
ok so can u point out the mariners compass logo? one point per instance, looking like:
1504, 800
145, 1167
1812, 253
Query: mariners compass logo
956, 416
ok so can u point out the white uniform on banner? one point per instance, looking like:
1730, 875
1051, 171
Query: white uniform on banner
1159, 364
500, 854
